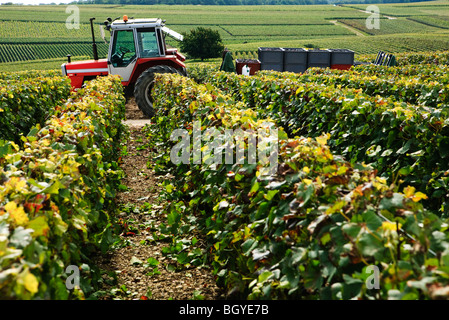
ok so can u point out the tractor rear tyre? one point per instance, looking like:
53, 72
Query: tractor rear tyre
144, 86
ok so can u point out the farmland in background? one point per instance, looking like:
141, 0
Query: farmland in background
38, 34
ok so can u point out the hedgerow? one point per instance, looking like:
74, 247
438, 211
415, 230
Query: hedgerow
435, 72
26, 101
22, 75
414, 58
404, 142
422, 90
312, 230
57, 195
437, 57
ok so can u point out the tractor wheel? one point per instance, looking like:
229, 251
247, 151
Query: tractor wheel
144, 86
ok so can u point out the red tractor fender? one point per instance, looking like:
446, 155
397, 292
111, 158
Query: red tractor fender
145, 63
80, 71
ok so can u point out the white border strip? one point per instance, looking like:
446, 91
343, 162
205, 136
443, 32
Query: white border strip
70, 71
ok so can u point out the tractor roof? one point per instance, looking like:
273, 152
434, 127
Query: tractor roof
137, 23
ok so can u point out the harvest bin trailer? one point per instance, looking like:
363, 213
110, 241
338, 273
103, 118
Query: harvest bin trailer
137, 51
300, 59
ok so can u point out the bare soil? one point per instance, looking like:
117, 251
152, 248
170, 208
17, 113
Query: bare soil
132, 110
140, 215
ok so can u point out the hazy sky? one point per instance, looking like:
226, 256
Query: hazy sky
35, 1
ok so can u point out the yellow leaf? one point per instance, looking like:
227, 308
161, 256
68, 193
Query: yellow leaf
45, 142
16, 146
16, 214
342, 170
299, 90
381, 180
40, 226
10, 206
307, 181
336, 207
15, 185
207, 98
409, 191
386, 225
418, 196
323, 139
30, 282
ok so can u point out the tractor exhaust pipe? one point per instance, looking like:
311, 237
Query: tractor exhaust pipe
94, 45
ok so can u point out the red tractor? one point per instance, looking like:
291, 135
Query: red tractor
137, 51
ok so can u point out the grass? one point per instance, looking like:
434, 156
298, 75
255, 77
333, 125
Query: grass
363, 45
42, 30
435, 21
39, 51
387, 26
410, 9
43, 64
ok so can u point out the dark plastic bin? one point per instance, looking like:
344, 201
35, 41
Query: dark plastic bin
271, 55
295, 56
295, 60
342, 57
271, 59
296, 68
319, 58
254, 65
273, 67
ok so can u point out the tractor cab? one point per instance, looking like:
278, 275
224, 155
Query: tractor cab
132, 40
137, 50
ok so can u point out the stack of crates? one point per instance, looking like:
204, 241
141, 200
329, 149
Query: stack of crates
299, 60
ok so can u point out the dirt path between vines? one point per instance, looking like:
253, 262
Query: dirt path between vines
353, 30
141, 213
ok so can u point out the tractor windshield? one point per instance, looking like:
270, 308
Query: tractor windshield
148, 43
123, 49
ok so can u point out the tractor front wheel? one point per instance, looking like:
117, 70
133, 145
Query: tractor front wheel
144, 86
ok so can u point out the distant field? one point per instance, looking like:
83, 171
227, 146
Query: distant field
440, 8
30, 33
37, 51
392, 26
